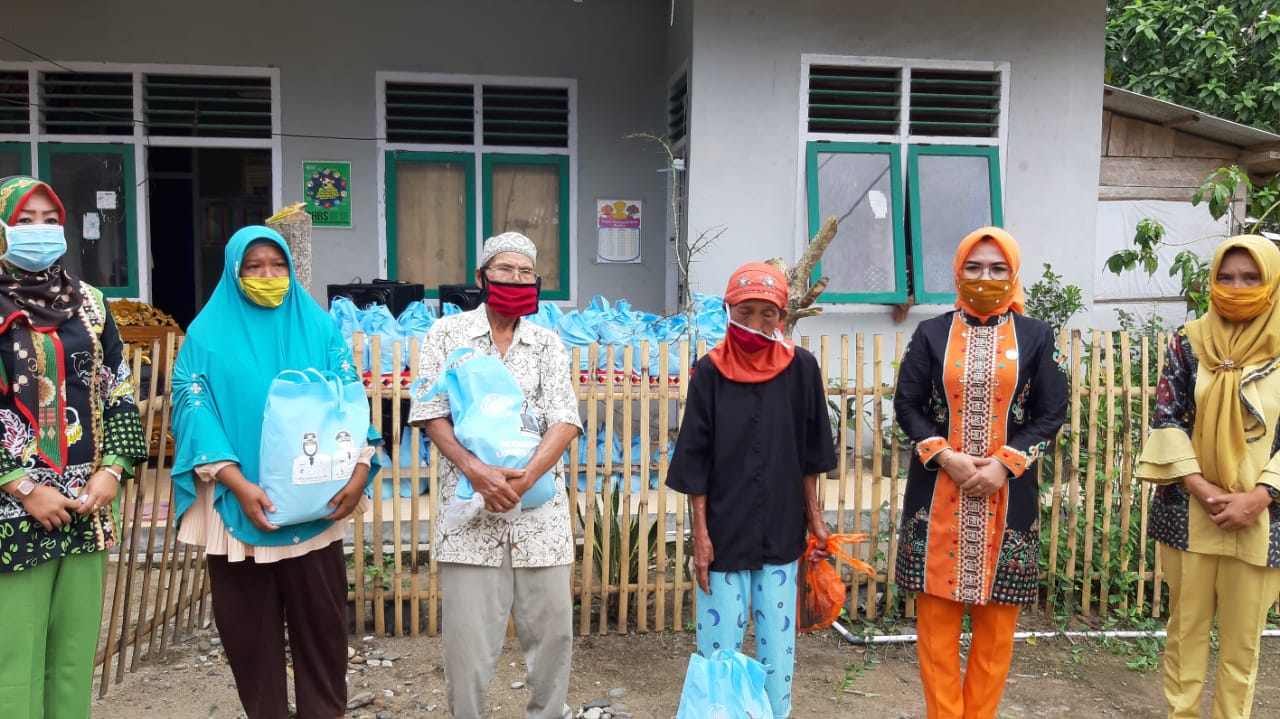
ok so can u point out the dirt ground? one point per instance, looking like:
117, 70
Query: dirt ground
1050, 678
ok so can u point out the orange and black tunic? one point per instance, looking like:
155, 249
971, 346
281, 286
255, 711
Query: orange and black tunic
990, 389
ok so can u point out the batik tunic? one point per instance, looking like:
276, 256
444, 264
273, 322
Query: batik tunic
988, 389
102, 426
1176, 519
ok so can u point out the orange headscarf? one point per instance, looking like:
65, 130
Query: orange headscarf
1009, 247
753, 281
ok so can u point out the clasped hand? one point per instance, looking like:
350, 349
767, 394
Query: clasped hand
1230, 511
501, 487
976, 476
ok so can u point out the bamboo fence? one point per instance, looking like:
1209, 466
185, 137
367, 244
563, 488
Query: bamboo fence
632, 568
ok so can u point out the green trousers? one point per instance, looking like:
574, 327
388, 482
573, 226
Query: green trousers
49, 619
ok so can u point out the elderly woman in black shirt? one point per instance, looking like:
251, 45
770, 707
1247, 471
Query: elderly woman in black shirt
754, 438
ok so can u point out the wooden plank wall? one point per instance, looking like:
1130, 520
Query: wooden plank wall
1146, 161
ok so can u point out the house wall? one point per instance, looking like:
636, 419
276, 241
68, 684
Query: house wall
1145, 161
746, 157
328, 52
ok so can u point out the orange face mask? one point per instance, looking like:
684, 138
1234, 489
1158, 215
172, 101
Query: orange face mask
984, 296
1239, 304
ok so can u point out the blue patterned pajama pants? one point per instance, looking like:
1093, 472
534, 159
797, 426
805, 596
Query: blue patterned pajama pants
766, 596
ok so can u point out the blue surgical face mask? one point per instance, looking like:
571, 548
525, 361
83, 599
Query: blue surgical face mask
33, 247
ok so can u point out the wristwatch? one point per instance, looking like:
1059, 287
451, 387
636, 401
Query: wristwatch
24, 488
1273, 493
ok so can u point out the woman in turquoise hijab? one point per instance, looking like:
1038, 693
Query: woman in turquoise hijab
259, 322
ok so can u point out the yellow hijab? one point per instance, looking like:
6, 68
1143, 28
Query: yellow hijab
1225, 347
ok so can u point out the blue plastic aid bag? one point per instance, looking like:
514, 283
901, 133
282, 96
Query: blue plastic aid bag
313, 429
548, 315
575, 331
414, 323
407, 458
492, 419
377, 320
728, 684
344, 313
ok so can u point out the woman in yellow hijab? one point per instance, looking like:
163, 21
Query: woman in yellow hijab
1213, 452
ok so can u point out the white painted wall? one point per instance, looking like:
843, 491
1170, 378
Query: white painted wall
329, 50
745, 161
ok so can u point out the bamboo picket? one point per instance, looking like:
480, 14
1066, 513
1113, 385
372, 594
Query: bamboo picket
633, 566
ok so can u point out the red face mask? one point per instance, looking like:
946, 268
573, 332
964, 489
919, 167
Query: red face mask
510, 299
748, 339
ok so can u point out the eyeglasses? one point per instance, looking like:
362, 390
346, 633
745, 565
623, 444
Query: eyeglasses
975, 271
507, 273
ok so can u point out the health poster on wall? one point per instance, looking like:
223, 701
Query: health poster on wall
618, 231
326, 189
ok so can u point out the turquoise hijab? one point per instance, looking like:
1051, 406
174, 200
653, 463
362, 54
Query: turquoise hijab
233, 350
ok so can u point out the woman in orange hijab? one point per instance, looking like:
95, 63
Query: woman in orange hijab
980, 395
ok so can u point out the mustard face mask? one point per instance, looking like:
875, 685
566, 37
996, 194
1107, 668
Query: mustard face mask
266, 291
1240, 303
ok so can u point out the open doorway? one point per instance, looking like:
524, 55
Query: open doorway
197, 198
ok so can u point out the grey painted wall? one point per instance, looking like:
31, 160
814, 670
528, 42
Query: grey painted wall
745, 157
329, 50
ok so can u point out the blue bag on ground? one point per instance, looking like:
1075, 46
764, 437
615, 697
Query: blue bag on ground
377, 320
414, 323
313, 429
728, 684
548, 315
344, 313
491, 418
407, 458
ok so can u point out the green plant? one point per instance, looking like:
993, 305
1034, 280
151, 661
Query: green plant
1049, 300
609, 523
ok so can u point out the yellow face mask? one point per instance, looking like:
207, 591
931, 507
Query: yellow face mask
265, 291
1240, 303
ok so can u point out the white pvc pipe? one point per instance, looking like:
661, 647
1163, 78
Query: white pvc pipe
1109, 634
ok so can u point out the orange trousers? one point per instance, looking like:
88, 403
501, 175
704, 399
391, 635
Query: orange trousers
938, 623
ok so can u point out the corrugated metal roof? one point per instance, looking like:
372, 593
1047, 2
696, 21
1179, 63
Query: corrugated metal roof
1184, 119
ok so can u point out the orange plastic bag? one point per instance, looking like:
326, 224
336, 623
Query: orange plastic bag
821, 591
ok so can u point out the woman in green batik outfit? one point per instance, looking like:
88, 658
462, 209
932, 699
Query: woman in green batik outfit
69, 434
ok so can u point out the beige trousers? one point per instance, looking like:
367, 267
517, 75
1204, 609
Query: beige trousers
476, 603
1202, 586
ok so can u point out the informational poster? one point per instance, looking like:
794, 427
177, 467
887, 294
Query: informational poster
326, 189
618, 231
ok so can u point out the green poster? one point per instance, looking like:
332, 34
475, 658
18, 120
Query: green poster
326, 187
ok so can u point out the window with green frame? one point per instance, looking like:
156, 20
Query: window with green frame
883, 253
432, 214
96, 183
15, 159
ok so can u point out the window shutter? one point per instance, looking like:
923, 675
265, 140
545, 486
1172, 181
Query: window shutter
430, 113
15, 102
955, 103
526, 116
84, 103
203, 106
854, 100
678, 110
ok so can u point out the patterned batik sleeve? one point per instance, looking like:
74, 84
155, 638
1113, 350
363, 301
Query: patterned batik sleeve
556, 379
123, 440
1167, 455
1045, 407
912, 396
430, 363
